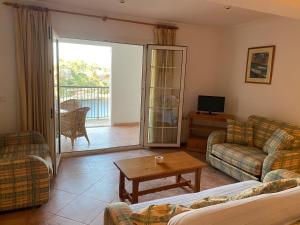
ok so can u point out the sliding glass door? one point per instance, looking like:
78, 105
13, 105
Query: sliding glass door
164, 95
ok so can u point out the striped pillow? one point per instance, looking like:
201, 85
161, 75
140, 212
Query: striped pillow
279, 140
240, 132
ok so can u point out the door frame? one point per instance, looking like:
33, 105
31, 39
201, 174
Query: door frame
142, 101
143, 96
57, 114
53, 113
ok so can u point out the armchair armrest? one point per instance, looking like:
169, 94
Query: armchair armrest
117, 214
30, 137
216, 137
32, 174
283, 159
280, 174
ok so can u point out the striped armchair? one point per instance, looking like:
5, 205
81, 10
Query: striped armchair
252, 163
25, 170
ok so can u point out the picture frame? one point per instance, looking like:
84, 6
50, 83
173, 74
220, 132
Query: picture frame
259, 66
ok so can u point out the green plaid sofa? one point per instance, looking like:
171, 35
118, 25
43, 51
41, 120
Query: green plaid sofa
251, 163
119, 213
25, 170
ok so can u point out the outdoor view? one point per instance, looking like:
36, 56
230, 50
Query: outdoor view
85, 73
99, 110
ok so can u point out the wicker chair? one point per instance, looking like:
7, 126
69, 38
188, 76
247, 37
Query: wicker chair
70, 105
73, 124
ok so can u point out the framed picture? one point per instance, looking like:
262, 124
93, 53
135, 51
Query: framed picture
260, 64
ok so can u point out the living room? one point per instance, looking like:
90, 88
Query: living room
217, 36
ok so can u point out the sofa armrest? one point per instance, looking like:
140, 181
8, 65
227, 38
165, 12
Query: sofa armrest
280, 174
24, 183
30, 137
216, 137
117, 214
283, 159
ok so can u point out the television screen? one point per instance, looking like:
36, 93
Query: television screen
211, 103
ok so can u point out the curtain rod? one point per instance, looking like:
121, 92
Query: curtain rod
104, 18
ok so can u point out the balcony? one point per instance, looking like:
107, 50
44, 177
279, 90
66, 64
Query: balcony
96, 98
98, 120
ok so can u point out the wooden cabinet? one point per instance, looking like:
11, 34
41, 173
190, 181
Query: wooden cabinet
200, 127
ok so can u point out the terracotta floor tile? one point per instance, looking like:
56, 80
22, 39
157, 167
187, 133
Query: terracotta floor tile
74, 183
99, 220
104, 137
102, 191
58, 220
25, 217
75, 167
58, 199
82, 209
86, 184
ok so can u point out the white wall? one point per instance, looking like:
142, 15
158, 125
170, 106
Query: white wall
203, 44
280, 100
126, 80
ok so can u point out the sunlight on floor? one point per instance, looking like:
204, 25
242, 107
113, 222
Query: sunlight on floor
104, 137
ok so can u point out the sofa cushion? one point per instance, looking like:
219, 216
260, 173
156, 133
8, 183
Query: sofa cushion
281, 174
188, 199
240, 132
268, 187
248, 159
231, 170
157, 214
280, 140
263, 129
251, 211
263, 188
211, 200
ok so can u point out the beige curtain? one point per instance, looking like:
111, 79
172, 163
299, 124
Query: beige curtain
162, 61
165, 36
33, 68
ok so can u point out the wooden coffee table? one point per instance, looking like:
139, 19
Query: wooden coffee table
145, 168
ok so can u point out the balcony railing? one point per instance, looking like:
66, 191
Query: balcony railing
97, 98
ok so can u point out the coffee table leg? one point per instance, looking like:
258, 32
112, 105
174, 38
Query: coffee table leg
121, 186
135, 192
197, 180
178, 178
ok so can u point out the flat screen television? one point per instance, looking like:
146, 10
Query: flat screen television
211, 104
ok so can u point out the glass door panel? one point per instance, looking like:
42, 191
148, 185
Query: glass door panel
164, 95
154, 136
155, 117
171, 98
156, 97
170, 135
170, 118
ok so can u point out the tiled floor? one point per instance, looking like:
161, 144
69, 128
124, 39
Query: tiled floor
85, 185
97, 123
104, 137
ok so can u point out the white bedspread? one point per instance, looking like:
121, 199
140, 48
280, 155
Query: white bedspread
270, 209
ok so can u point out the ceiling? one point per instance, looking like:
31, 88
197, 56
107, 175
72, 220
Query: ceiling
178, 11
286, 8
